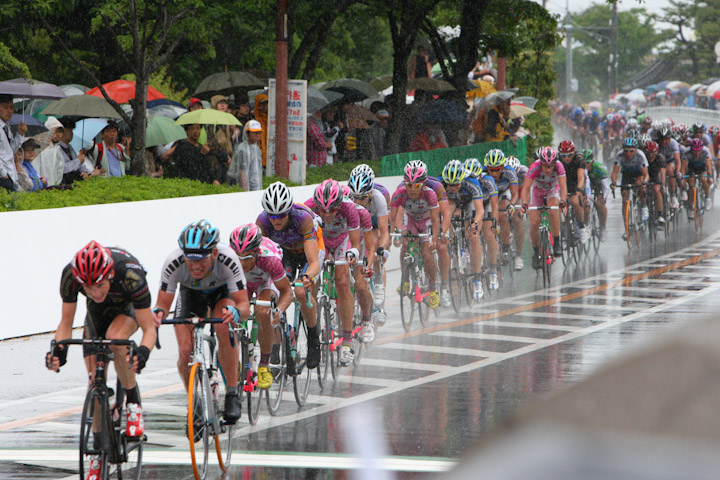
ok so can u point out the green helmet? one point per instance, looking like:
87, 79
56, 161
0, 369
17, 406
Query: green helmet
495, 158
453, 173
587, 155
473, 166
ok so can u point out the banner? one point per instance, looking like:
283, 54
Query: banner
296, 129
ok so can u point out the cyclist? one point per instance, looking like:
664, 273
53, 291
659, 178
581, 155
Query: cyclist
364, 194
670, 150
465, 197
296, 229
656, 171
342, 238
441, 247
698, 131
698, 161
600, 184
261, 261
545, 184
210, 279
575, 177
118, 302
419, 207
521, 171
506, 179
634, 166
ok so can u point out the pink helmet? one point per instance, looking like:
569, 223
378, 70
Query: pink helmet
346, 191
415, 172
548, 156
328, 195
696, 145
245, 238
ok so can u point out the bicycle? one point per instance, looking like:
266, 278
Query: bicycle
461, 274
486, 266
246, 334
413, 282
204, 413
109, 445
696, 202
511, 210
631, 215
546, 242
569, 235
297, 337
594, 221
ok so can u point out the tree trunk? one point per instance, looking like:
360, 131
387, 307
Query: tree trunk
139, 123
469, 41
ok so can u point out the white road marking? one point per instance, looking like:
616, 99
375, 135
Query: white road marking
570, 316
539, 326
486, 336
616, 298
439, 349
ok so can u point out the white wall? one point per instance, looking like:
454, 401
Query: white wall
37, 244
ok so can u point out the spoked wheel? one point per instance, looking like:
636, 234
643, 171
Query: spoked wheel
357, 344
224, 452
407, 300
628, 224
278, 368
595, 227
546, 258
133, 448
635, 225
198, 422
336, 334
325, 334
91, 449
423, 306
303, 375
455, 284
248, 379
697, 208
565, 242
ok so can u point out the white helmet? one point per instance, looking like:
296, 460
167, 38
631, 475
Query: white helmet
512, 162
277, 199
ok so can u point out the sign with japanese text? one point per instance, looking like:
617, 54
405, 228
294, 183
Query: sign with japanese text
296, 128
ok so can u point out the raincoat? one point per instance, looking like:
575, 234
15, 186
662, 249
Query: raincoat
263, 119
246, 160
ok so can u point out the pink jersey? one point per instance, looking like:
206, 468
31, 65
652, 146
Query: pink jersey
365, 218
346, 220
417, 209
268, 266
544, 182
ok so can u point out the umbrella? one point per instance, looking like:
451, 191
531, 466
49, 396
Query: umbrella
35, 126
207, 116
676, 85
713, 87
28, 88
638, 90
353, 89
441, 112
382, 82
635, 96
85, 132
122, 91
702, 91
169, 111
429, 84
501, 96
661, 94
162, 130
595, 105
710, 81
716, 95
357, 116
317, 99
651, 88
74, 89
225, 82
82, 106
695, 87
520, 110
532, 101
662, 85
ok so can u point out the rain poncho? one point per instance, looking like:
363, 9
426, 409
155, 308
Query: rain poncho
263, 119
246, 158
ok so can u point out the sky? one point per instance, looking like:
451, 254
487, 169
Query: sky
576, 6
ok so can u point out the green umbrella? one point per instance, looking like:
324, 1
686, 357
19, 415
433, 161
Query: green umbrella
382, 82
82, 106
429, 84
162, 130
207, 116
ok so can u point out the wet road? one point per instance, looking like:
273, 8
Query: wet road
417, 400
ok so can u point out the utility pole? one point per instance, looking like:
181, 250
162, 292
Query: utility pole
612, 71
281, 76
568, 59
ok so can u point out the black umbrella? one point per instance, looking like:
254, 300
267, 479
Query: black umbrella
353, 90
441, 112
226, 83
710, 81
35, 126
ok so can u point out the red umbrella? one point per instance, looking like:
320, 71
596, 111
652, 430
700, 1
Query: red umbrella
716, 95
123, 90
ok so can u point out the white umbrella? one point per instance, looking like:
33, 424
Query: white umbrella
712, 88
695, 87
635, 96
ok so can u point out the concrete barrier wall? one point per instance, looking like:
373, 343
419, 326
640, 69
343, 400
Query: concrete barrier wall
687, 115
37, 244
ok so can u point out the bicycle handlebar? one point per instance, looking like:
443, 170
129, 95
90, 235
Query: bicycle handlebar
544, 207
95, 341
410, 235
199, 322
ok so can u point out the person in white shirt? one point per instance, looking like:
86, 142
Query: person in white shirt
9, 144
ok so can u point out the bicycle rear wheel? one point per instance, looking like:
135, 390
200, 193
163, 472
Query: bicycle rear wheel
273, 395
92, 449
302, 375
325, 333
697, 210
337, 333
198, 421
407, 301
546, 257
248, 379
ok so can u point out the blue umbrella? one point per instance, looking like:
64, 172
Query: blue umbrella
164, 101
35, 126
651, 88
85, 132
662, 85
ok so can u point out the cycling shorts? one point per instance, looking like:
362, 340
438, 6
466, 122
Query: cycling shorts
98, 320
296, 264
696, 169
198, 303
411, 225
538, 197
630, 178
602, 187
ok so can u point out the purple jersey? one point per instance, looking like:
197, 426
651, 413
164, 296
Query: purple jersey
417, 209
542, 181
337, 230
301, 226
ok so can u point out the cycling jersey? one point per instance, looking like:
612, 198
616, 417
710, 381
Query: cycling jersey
302, 225
489, 189
697, 165
385, 192
377, 206
572, 166
225, 272
128, 286
470, 190
543, 181
364, 218
670, 150
268, 267
655, 166
597, 173
436, 185
632, 166
508, 177
336, 232
417, 209
521, 171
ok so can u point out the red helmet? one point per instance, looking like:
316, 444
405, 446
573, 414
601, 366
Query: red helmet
651, 147
92, 264
566, 147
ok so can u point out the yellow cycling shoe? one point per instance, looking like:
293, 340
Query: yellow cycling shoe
434, 299
405, 288
265, 378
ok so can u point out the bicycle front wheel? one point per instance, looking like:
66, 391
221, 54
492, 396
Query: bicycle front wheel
94, 445
407, 301
423, 306
595, 227
132, 447
325, 333
273, 395
248, 380
198, 421
302, 374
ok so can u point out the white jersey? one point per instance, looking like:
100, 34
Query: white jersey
226, 270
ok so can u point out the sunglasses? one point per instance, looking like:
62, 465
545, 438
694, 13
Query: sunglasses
247, 257
414, 184
495, 169
361, 197
331, 211
630, 150
278, 217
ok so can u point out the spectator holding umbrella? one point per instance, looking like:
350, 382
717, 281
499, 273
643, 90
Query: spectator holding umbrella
9, 144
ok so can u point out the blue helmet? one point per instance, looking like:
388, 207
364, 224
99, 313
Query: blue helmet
578, 111
362, 180
595, 114
199, 238
630, 142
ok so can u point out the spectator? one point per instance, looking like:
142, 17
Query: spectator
37, 182
246, 166
261, 115
430, 137
190, 157
331, 130
219, 139
373, 139
317, 149
420, 64
49, 163
74, 166
9, 144
23, 184
110, 156
195, 104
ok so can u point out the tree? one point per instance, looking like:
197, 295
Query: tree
707, 33
681, 16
